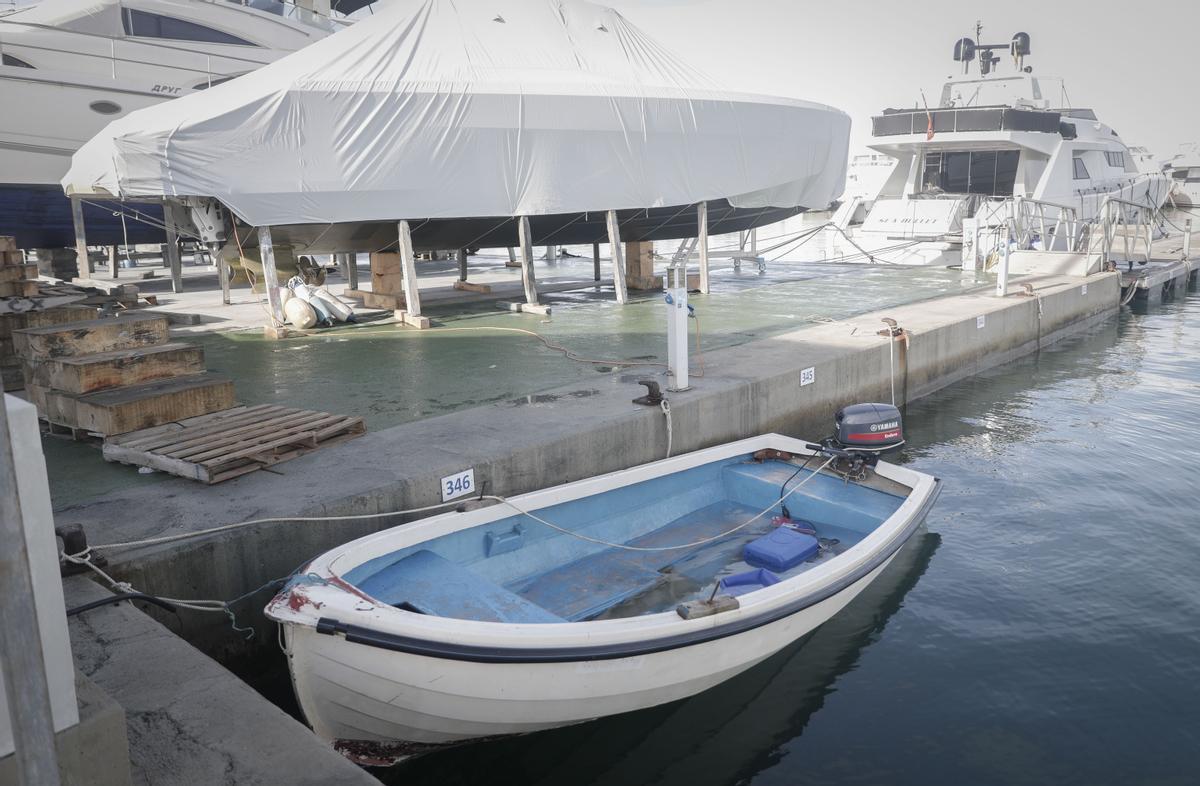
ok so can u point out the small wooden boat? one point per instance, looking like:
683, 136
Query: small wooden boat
594, 598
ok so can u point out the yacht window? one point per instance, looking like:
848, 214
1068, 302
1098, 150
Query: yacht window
9, 60
216, 80
147, 25
1115, 159
987, 172
1081, 172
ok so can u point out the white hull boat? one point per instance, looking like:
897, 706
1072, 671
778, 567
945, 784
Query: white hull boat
994, 150
70, 67
594, 598
1184, 171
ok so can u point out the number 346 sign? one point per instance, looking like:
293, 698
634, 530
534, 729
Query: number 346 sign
458, 485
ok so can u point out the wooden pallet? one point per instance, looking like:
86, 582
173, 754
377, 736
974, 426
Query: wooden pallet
224, 445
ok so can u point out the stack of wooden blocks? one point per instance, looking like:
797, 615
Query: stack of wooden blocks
10, 322
16, 284
115, 375
17, 279
387, 284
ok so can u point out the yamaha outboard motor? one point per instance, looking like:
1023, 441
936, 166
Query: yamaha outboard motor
869, 428
864, 433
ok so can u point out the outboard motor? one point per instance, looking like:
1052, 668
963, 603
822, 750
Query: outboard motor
864, 433
869, 428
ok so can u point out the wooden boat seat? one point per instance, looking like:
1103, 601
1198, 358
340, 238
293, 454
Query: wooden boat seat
426, 583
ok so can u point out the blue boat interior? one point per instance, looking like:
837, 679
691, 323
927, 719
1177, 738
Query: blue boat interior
668, 546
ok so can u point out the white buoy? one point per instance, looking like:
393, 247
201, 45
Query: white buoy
300, 313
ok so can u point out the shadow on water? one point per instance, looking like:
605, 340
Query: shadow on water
721, 736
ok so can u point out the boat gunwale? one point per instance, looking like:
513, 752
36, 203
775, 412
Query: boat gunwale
392, 628
358, 634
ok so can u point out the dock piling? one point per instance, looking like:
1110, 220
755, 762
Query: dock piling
618, 262
171, 250
411, 315
270, 276
222, 264
702, 238
527, 277
84, 261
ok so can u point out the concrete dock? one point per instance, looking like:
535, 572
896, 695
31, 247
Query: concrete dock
575, 431
188, 719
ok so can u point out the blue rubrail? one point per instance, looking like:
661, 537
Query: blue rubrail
569, 578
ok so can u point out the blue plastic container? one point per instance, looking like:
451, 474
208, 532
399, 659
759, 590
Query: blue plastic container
780, 550
741, 583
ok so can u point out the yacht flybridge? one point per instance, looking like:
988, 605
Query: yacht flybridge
991, 149
72, 66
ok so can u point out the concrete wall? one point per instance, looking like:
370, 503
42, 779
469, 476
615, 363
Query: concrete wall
571, 433
94, 751
33, 491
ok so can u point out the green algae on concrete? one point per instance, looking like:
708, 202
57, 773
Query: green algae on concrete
391, 375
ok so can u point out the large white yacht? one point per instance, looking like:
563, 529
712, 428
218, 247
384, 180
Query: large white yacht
72, 66
1184, 171
991, 147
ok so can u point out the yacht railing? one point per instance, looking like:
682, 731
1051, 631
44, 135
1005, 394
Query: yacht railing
1132, 223
1032, 219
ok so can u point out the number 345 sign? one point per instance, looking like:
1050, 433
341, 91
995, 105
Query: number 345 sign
458, 485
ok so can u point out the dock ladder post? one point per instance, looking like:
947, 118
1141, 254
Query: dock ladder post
677, 327
1002, 277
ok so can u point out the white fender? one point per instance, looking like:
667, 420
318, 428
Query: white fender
341, 312
300, 313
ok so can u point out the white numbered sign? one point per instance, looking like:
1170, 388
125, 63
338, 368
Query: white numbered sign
808, 376
458, 485
980, 321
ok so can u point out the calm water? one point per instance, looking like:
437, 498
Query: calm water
1044, 628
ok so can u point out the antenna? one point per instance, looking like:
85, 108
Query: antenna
966, 50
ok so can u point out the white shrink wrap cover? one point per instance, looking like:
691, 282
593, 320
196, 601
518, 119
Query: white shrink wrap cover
470, 108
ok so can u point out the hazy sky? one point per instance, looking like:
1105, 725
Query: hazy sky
1136, 64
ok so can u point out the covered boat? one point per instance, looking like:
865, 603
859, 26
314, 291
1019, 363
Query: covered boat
594, 598
460, 116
